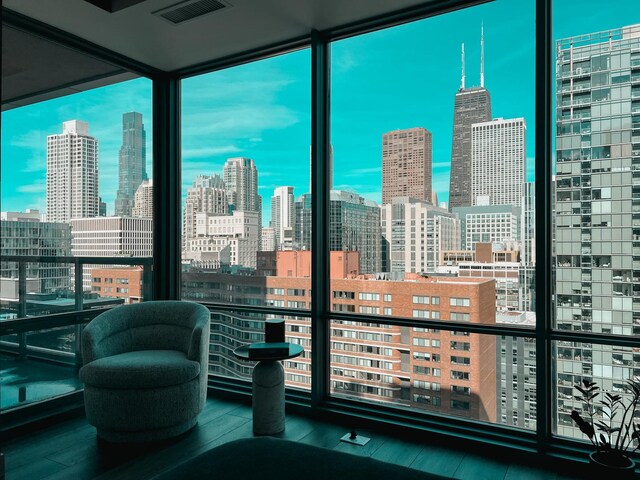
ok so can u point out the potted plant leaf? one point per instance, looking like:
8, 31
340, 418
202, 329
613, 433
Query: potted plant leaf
617, 436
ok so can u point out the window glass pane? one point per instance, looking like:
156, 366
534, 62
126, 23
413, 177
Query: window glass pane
433, 178
479, 377
230, 330
608, 366
77, 181
246, 191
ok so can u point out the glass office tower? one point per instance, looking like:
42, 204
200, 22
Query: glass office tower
132, 162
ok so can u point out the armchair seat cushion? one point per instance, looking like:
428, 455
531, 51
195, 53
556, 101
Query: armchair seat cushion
140, 369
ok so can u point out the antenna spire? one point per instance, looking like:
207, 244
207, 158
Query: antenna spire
482, 54
462, 58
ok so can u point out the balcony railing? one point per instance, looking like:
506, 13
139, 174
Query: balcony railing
21, 303
40, 337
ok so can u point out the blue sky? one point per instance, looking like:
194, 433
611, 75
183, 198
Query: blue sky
399, 77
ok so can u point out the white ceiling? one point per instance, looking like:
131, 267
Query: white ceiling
248, 24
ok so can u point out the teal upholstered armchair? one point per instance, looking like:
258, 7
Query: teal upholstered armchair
145, 370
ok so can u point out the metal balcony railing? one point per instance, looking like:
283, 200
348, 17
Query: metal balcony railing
76, 314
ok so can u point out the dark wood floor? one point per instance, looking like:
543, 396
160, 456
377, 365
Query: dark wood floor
70, 450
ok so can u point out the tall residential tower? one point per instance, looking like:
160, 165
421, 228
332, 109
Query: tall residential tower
597, 201
241, 181
72, 173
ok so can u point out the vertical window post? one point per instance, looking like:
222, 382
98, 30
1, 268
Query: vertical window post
543, 308
167, 229
320, 217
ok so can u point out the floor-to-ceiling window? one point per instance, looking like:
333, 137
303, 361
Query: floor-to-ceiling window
246, 204
432, 212
76, 226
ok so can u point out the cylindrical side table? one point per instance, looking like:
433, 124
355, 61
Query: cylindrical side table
268, 389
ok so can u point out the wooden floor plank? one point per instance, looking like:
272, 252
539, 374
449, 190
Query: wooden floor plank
475, 467
38, 469
189, 447
326, 435
398, 452
47, 442
438, 460
297, 427
523, 472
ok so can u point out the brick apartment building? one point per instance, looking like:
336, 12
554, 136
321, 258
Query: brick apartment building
449, 372
118, 282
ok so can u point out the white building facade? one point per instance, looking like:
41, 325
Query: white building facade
143, 200
72, 173
283, 216
498, 161
416, 232
224, 240
110, 237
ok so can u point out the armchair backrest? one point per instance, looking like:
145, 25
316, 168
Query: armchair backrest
156, 325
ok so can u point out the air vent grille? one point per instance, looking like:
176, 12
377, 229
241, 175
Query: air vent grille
183, 11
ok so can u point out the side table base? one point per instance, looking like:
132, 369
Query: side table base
268, 398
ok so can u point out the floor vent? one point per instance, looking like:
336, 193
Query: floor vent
189, 10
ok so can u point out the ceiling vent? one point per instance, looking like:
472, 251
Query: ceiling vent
189, 10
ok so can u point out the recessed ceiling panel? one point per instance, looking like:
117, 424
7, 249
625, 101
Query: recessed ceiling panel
36, 68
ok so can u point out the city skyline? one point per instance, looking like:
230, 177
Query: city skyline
259, 107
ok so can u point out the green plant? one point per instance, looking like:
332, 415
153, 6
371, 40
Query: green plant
616, 437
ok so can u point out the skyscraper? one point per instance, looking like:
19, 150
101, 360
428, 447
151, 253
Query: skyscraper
102, 210
132, 168
596, 200
72, 173
282, 216
498, 155
241, 183
302, 227
488, 224
406, 164
472, 105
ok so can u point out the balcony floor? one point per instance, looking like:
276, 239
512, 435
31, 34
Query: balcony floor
70, 449
28, 380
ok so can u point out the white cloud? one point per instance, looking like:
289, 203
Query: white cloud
38, 187
245, 121
362, 171
208, 151
35, 164
444, 164
344, 61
